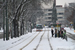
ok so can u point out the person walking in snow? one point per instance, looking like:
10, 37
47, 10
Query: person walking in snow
64, 35
61, 32
52, 31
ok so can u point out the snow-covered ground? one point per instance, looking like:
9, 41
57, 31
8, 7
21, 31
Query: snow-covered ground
1, 31
21, 42
62, 44
70, 30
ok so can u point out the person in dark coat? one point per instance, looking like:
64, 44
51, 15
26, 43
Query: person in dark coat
55, 32
61, 33
58, 33
52, 31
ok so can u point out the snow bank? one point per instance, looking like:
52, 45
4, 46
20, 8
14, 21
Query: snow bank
1, 31
62, 44
69, 30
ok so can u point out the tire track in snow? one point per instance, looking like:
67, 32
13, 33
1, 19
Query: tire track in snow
29, 42
49, 41
39, 41
42, 40
19, 42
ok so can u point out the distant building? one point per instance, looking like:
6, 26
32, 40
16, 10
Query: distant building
72, 4
60, 14
47, 17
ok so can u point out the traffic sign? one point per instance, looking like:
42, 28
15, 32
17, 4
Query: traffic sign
57, 22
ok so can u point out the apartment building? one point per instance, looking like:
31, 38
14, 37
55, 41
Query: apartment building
60, 14
47, 17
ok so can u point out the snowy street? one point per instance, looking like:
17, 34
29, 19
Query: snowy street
37, 24
38, 41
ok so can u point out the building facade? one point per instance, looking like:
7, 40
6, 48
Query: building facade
47, 17
60, 14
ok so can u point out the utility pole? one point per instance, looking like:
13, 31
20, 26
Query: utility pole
7, 21
54, 13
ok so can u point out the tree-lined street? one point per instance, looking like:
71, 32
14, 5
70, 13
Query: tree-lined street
37, 25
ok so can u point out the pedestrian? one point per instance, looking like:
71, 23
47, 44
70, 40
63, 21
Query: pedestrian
61, 33
64, 35
52, 31
55, 33
58, 33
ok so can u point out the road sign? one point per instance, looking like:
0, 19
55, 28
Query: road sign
57, 22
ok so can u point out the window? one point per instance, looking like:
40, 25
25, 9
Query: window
60, 13
46, 14
39, 26
49, 13
49, 21
45, 17
60, 17
49, 17
49, 9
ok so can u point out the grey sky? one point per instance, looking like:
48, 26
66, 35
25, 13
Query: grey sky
62, 2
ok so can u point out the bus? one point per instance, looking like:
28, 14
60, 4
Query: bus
39, 27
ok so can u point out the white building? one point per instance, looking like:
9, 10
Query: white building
48, 16
46, 19
60, 14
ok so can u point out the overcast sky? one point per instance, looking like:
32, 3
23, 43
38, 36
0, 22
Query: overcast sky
62, 2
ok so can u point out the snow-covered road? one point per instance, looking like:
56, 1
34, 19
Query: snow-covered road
44, 42
38, 41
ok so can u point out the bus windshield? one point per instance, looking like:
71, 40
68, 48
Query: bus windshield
39, 26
